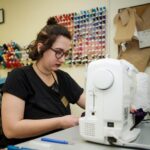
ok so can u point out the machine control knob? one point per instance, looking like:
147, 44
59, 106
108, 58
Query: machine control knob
103, 79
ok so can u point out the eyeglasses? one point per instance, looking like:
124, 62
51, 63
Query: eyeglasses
59, 53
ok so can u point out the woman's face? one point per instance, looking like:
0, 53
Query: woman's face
54, 57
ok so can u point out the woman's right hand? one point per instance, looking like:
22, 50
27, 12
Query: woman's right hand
69, 121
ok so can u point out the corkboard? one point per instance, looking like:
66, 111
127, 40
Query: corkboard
140, 58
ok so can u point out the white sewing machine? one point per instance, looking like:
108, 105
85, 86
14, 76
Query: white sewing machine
110, 90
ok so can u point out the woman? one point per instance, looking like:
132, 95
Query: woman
36, 98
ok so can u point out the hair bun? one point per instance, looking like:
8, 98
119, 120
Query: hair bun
51, 21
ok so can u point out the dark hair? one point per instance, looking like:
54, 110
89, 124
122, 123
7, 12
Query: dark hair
47, 36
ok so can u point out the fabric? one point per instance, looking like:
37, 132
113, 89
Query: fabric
42, 101
142, 99
138, 116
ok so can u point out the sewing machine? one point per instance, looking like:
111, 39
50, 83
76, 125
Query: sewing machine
110, 89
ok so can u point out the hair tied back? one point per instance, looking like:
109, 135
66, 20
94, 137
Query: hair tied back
51, 21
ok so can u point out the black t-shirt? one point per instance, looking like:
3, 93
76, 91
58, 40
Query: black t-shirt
42, 101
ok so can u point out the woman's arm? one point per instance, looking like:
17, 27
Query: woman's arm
81, 101
15, 126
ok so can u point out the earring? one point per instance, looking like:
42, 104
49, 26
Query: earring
38, 49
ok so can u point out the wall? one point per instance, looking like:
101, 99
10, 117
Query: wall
24, 19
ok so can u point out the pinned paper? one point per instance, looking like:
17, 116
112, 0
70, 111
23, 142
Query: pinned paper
144, 38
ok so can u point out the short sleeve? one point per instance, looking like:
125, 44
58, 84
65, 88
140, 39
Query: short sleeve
70, 87
16, 84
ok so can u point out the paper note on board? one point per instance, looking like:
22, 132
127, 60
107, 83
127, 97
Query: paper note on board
144, 38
